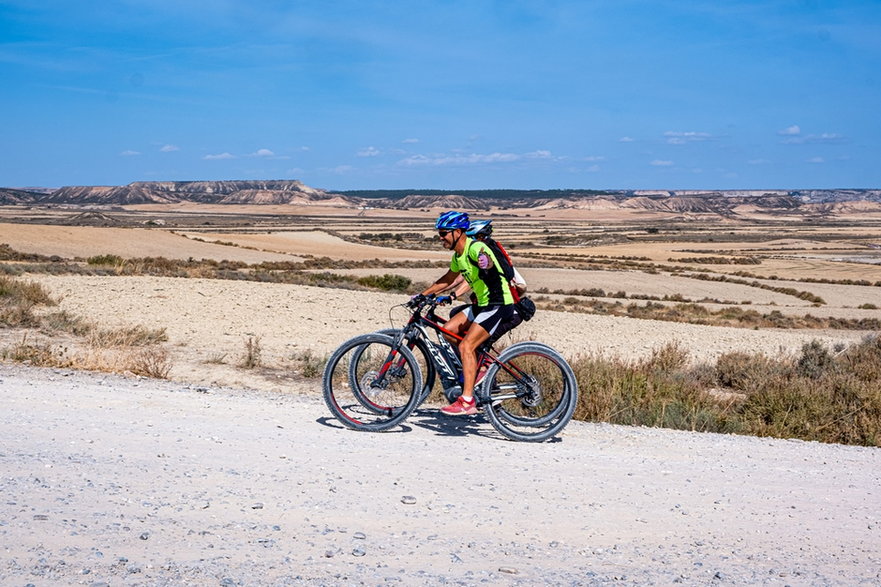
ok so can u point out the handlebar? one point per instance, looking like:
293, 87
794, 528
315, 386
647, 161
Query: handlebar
419, 302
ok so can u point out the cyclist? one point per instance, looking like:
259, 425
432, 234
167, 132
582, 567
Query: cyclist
482, 230
480, 268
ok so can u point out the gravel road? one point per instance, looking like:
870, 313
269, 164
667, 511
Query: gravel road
108, 480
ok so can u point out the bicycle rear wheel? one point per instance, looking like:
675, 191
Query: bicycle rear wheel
370, 384
532, 392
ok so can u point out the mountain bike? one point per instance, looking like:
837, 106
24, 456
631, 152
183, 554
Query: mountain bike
374, 381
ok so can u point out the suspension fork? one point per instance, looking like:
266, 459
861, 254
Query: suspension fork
396, 360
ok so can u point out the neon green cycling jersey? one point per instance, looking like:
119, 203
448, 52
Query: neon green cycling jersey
488, 285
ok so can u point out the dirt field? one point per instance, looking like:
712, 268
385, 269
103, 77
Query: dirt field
208, 321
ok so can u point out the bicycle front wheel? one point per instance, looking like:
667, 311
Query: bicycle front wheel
532, 392
371, 384
423, 356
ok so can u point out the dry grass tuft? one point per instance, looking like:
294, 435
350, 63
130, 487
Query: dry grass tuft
308, 363
131, 336
251, 357
130, 349
150, 362
38, 355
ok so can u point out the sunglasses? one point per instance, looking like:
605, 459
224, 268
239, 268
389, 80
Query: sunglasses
443, 233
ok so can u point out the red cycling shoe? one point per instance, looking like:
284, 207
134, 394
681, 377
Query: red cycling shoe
461, 407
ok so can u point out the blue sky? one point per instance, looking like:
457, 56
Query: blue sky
449, 94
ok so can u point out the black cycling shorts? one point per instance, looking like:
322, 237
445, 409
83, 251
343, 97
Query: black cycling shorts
489, 317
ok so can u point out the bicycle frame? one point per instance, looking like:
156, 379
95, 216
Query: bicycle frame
418, 326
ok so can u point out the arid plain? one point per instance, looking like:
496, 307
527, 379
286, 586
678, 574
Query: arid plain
236, 474
828, 268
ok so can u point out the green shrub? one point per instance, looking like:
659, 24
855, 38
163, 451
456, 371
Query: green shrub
387, 282
105, 260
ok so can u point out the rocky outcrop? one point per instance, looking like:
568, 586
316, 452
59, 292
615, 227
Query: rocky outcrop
13, 197
678, 203
447, 202
204, 192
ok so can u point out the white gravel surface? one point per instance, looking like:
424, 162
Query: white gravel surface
114, 481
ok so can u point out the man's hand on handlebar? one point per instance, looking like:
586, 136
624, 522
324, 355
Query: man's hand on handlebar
418, 299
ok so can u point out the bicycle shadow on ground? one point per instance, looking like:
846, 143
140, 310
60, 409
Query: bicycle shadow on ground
332, 422
456, 426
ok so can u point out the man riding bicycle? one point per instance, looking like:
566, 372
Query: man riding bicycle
477, 263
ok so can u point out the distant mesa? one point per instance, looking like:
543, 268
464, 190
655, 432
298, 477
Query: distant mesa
203, 192
685, 203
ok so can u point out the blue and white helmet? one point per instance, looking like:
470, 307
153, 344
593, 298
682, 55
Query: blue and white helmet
480, 228
452, 220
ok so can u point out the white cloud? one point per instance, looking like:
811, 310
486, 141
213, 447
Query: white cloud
681, 138
790, 131
661, 163
816, 160
826, 138
369, 152
267, 154
540, 154
472, 159
758, 162
593, 168
169, 148
625, 140
410, 141
130, 153
219, 156
595, 158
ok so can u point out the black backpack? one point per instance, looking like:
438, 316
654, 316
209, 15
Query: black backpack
505, 265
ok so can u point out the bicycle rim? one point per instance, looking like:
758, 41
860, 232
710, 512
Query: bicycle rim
371, 385
532, 393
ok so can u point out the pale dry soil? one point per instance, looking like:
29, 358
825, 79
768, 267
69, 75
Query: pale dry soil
208, 323
108, 480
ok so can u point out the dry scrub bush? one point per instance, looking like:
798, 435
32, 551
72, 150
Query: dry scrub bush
130, 336
308, 363
147, 361
64, 321
251, 357
38, 355
659, 391
744, 371
150, 362
129, 349
17, 301
816, 396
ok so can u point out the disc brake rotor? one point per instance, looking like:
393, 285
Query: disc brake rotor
369, 386
533, 394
